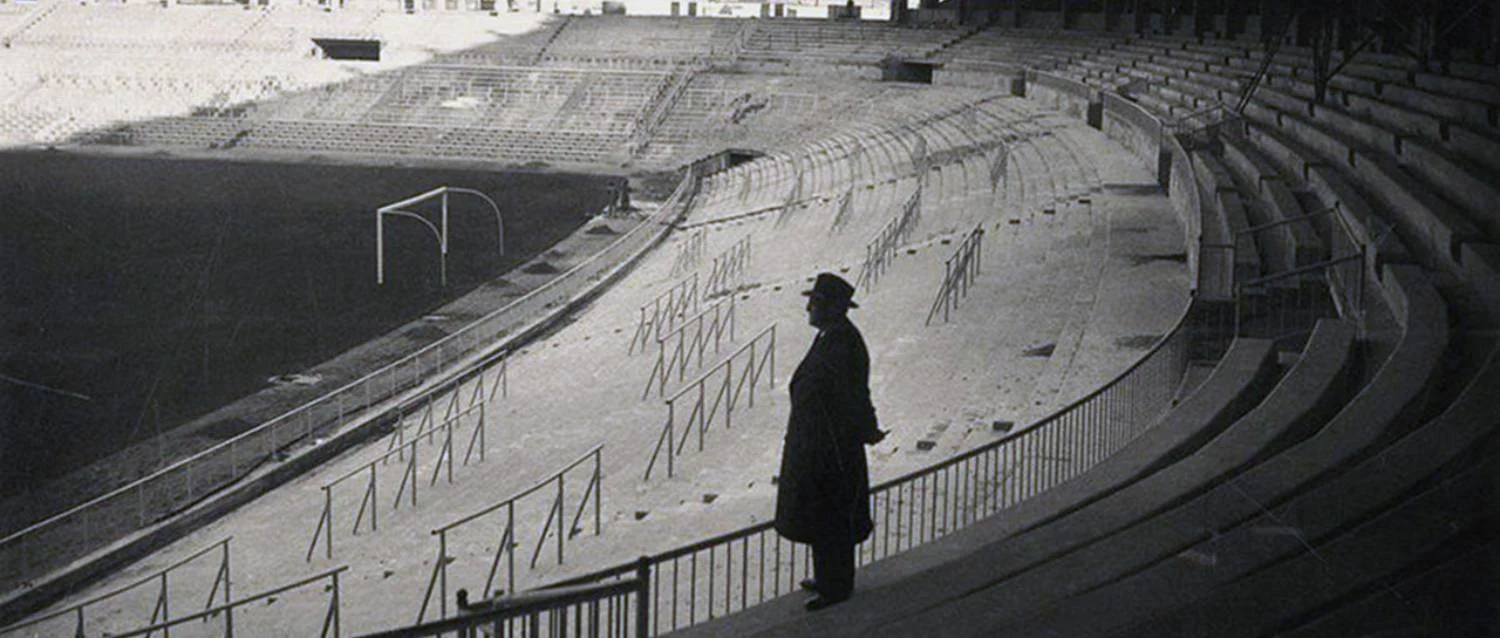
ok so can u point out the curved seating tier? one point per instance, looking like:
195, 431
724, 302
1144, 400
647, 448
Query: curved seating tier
1416, 145
1224, 531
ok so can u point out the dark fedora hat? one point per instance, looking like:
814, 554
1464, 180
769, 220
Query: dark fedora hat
833, 288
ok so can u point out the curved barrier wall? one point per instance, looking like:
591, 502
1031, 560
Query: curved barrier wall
61, 546
1069, 96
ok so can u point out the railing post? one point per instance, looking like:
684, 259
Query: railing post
374, 500
671, 436
561, 535
702, 411
771, 356
598, 490
510, 549
328, 529
643, 597
443, 574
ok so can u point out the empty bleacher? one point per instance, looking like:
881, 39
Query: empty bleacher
1332, 512
631, 41
1313, 486
814, 41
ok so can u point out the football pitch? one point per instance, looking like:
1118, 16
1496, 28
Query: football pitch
139, 293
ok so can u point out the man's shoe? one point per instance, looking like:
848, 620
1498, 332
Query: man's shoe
819, 602
809, 585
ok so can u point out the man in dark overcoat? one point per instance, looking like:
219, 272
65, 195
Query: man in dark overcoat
823, 490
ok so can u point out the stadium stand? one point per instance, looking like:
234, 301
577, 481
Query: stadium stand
632, 41
798, 42
1253, 506
1312, 536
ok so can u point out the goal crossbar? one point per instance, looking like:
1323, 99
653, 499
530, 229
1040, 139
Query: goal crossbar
439, 229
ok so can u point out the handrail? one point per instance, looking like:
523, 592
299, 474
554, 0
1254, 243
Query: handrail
530, 605
959, 272
501, 384
661, 371
370, 500
689, 252
882, 249
1301, 270
727, 269
330, 621
842, 210
666, 307
161, 607
727, 396
506, 547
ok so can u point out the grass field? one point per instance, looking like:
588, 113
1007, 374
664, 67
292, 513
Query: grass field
139, 293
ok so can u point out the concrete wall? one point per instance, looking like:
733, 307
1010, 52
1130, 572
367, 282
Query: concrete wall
980, 75
1182, 188
1069, 96
1137, 130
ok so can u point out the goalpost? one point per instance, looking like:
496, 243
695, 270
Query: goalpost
439, 230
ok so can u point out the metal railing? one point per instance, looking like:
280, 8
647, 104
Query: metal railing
616, 609
498, 373
759, 356
690, 252
161, 609
664, 311
659, 107
999, 161
407, 453
733, 571
331, 620
795, 195
1199, 127
882, 249
728, 269
1288, 304
1285, 297
717, 329
959, 272
29, 554
506, 547
841, 211
920, 157
1286, 243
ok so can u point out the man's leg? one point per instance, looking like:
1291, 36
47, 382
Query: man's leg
833, 568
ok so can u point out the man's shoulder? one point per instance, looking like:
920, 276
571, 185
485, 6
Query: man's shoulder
843, 337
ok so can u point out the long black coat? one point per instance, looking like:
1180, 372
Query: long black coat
823, 493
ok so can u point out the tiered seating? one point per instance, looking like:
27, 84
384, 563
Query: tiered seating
564, 146
1300, 514
342, 137
195, 132
140, 27
1404, 154
642, 41
518, 49
738, 110
21, 126
1039, 50
796, 41
769, 182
